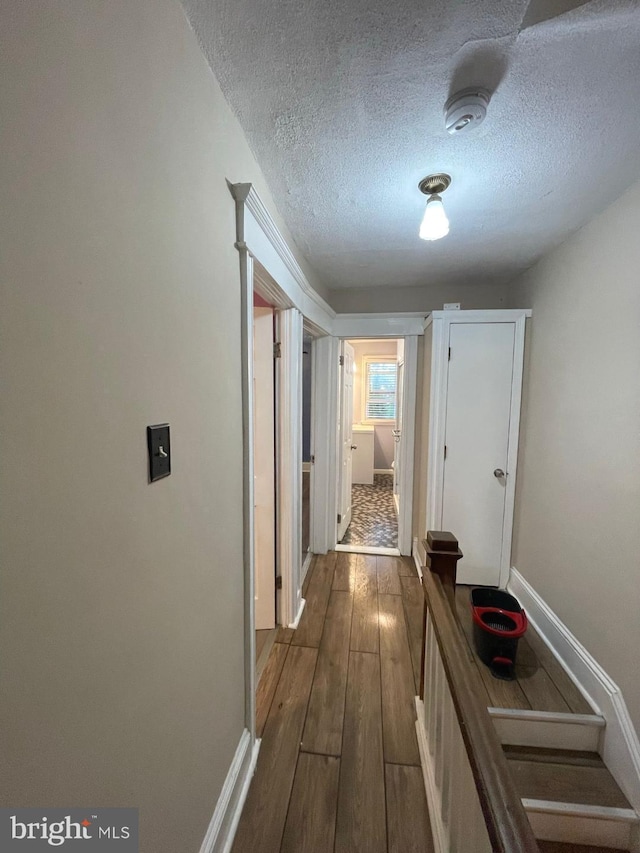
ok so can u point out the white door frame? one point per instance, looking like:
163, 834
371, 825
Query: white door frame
324, 449
345, 425
441, 321
289, 464
326, 385
409, 396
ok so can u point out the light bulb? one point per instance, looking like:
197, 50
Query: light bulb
434, 223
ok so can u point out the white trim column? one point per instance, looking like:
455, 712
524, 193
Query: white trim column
410, 383
324, 448
289, 464
246, 336
437, 415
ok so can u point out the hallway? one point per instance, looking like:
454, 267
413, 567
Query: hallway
339, 767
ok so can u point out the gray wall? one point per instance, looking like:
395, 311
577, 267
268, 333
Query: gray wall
384, 446
122, 602
382, 300
577, 531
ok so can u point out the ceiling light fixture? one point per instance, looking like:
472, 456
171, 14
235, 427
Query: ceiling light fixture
434, 222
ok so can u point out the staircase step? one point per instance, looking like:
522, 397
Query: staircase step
564, 757
571, 797
563, 847
602, 827
564, 776
548, 728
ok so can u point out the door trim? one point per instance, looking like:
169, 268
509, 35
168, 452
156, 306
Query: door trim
288, 464
405, 484
325, 420
324, 414
344, 424
441, 321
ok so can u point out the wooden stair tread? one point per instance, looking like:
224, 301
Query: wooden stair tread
586, 781
545, 755
563, 847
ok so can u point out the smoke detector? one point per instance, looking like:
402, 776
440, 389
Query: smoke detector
466, 110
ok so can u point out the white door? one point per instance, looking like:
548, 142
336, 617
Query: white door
264, 469
477, 442
345, 437
398, 454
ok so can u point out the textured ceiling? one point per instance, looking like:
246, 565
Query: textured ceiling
342, 103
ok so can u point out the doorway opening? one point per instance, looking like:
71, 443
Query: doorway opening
369, 444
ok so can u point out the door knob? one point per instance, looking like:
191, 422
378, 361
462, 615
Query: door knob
354, 446
499, 473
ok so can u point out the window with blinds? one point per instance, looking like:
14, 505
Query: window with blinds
380, 390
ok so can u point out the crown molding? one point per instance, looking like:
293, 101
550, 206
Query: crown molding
247, 199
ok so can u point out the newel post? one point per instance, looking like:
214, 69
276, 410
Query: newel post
443, 554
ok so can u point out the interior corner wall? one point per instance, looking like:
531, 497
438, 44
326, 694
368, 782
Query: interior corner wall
432, 297
122, 601
577, 514
421, 450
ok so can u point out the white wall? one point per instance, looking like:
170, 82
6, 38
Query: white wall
122, 602
372, 300
577, 524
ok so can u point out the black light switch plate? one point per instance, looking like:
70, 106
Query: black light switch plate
159, 451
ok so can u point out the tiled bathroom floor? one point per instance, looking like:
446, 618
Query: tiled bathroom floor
373, 516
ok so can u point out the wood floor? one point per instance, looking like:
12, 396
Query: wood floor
339, 768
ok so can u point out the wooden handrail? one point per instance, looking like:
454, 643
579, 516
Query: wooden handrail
506, 820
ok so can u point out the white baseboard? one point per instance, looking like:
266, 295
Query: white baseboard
296, 621
305, 567
415, 552
440, 841
620, 745
306, 467
223, 825
383, 470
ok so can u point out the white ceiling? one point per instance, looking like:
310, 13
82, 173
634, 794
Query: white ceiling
342, 103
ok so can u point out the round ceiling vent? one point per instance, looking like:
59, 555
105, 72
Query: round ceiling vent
466, 110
